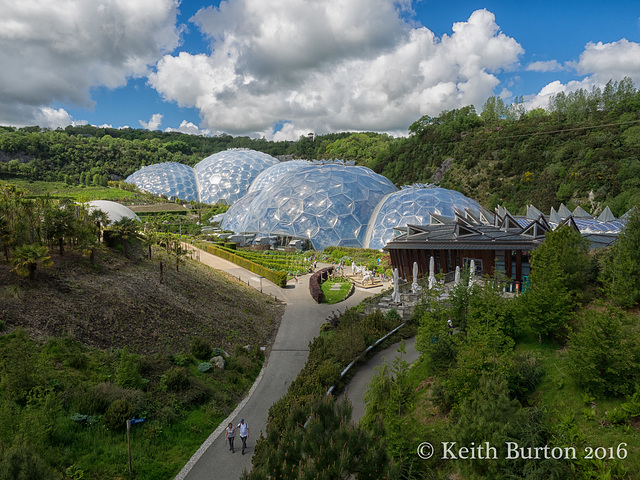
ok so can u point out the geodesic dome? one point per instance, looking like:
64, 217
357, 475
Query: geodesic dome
227, 175
170, 178
329, 204
267, 177
411, 206
234, 219
115, 211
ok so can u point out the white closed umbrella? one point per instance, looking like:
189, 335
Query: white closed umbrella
456, 279
472, 271
432, 273
415, 288
396, 290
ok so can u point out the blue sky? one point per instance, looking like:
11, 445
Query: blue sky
281, 69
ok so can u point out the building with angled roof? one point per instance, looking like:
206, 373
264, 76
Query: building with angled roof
499, 244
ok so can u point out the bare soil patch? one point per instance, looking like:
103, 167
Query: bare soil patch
121, 302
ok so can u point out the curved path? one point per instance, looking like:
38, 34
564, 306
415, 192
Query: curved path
358, 385
300, 324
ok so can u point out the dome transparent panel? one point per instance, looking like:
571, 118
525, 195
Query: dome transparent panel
412, 205
226, 176
268, 177
170, 179
329, 204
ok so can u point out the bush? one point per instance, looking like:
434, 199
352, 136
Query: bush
117, 414
22, 462
204, 367
176, 379
315, 281
201, 349
230, 245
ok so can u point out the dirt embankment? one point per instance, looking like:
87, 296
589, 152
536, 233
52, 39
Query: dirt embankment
121, 302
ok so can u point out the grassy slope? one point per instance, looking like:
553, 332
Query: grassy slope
121, 303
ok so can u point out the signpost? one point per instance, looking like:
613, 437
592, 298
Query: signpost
133, 421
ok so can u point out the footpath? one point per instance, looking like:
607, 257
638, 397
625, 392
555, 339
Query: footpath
300, 324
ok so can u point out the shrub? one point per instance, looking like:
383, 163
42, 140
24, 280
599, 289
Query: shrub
201, 349
117, 414
176, 379
21, 461
204, 367
230, 245
315, 281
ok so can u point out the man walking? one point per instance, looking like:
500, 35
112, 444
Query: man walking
244, 433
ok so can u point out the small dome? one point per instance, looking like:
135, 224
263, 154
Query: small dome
115, 211
226, 176
411, 206
170, 178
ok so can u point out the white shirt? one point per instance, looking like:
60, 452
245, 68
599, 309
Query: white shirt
244, 429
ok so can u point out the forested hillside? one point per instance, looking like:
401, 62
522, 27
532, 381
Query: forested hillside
583, 150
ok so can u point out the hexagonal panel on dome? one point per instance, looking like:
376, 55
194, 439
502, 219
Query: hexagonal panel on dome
268, 177
226, 176
170, 178
315, 202
412, 205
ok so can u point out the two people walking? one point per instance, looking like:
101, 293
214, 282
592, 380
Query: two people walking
230, 435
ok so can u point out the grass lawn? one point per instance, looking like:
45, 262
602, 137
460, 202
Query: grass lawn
79, 193
334, 295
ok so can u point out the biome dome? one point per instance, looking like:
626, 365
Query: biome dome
226, 176
170, 178
327, 203
115, 211
411, 206
270, 175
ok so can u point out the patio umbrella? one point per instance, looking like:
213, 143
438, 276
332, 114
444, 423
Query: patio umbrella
472, 272
456, 279
396, 290
415, 288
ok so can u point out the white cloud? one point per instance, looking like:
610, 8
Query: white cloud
153, 123
599, 62
548, 66
56, 51
331, 65
189, 128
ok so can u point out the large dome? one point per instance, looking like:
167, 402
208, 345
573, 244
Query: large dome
270, 175
411, 206
226, 176
330, 204
170, 179
115, 211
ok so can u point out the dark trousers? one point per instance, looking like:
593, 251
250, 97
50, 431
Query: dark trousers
231, 443
244, 443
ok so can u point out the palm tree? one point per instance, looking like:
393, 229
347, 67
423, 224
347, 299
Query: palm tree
126, 228
28, 258
6, 236
61, 224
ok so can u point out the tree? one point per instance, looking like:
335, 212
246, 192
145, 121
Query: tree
6, 236
126, 228
621, 267
319, 441
559, 274
601, 353
61, 223
28, 258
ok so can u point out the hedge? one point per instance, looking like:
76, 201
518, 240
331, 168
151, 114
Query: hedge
314, 283
279, 278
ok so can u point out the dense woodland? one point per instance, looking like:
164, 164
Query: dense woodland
583, 150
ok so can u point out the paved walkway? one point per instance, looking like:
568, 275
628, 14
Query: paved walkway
300, 324
358, 385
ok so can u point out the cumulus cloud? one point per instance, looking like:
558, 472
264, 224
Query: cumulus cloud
599, 62
331, 65
56, 51
189, 128
154, 123
548, 66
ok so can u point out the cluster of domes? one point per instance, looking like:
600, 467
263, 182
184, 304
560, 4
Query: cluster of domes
327, 202
223, 177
